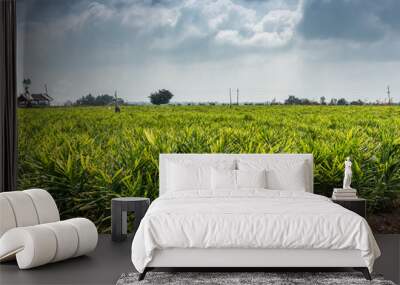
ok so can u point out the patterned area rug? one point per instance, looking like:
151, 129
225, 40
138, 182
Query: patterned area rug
229, 278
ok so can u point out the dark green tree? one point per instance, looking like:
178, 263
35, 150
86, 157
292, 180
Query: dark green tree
162, 96
342, 102
86, 100
100, 100
104, 99
292, 100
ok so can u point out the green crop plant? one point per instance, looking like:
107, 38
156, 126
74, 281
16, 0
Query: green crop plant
87, 155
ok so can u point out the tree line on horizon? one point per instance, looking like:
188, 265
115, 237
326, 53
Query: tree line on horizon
163, 96
293, 100
99, 100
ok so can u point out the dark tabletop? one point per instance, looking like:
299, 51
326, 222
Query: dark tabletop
130, 199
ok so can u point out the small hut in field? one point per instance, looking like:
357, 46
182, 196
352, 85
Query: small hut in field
32, 100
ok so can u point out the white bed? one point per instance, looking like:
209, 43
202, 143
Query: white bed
248, 227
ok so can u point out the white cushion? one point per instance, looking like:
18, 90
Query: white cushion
45, 205
7, 220
282, 174
23, 208
32, 246
87, 233
251, 178
223, 179
40, 244
227, 179
186, 175
67, 239
26, 208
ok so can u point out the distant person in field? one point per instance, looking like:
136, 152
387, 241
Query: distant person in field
117, 108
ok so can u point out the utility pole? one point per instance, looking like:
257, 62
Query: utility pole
388, 93
237, 96
230, 97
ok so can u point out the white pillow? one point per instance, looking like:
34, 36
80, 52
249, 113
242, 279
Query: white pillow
187, 177
251, 178
282, 174
187, 174
223, 179
236, 179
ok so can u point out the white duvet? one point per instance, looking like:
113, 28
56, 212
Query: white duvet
250, 219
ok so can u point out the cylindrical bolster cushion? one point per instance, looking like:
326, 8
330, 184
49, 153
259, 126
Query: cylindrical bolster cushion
87, 234
7, 218
26, 208
41, 244
45, 205
33, 246
23, 208
67, 240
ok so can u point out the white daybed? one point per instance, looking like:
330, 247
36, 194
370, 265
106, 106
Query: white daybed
248, 227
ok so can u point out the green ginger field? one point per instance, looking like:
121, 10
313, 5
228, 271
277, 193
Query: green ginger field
87, 155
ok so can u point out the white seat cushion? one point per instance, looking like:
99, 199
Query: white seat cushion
26, 208
22, 207
7, 220
37, 245
67, 239
87, 234
45, 205
32, 246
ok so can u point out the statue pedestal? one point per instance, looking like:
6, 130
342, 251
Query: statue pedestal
340, 193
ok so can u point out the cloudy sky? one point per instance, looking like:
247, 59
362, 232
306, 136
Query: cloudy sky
199, 49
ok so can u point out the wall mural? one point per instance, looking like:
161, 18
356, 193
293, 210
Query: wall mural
107, 85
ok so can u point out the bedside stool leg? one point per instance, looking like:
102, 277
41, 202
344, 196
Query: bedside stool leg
116, 222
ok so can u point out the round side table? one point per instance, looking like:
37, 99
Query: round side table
119, 209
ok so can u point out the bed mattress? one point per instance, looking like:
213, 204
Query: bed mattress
250, 219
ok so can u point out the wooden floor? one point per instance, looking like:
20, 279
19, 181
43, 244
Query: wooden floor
110, 260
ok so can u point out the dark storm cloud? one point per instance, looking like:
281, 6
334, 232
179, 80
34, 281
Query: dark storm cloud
42, 10
390, 14
356, 20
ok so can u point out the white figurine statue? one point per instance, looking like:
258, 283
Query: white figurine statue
347, 174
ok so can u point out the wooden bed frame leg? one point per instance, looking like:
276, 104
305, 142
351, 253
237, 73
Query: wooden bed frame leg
143, 274
364, 271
